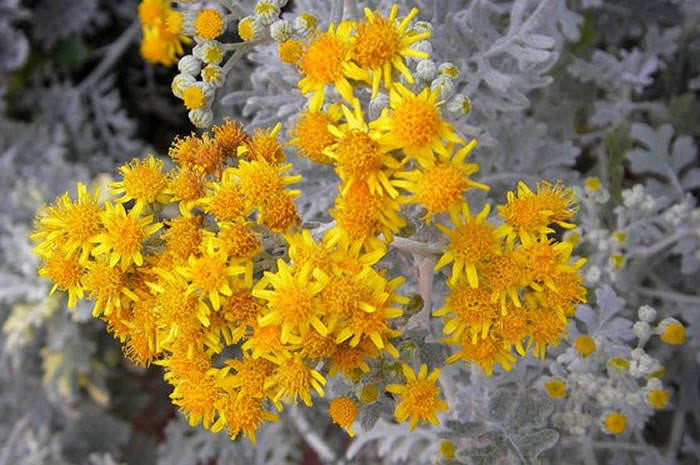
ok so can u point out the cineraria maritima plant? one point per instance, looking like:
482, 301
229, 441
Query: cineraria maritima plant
430, 223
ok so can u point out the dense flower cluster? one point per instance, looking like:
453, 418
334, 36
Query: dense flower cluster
211, 254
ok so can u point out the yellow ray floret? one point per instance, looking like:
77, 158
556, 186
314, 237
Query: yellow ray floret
143, 180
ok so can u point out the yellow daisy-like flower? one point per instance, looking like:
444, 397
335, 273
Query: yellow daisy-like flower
229, 136
440, 188
124, 235
264, 146
293, 379
325, 60
160, 46
106, 285
343, 412
360, 156
310, 134
414, 124
419, 396
250, 375
485, 352
242, 413
547, 327
210, 273
380, 45
68, 225
237, 239
224, 199
261, 181
184, 235
360, 217
529, 215
350, 361
292, 303
472, 242
153, 12
65, 271
143, 180
279, 214
186, 186
472, 308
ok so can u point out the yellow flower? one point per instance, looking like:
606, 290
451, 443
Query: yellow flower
350, 361
448, 449
585, 345
472, 308
325, 61
261, 181
224, 199
264, 146
343, 412
658, 398
292, 303
485, 352
65, 271
142, 181
209, 24
250, 375
183, 235
380, 45
547, 329
290, 51
181, 316
105, 285
310, 134
266, 341
229, 136
615, 423
369, 394
197, 395
419, 396
293, 379
360, 156
68, 225
210, 273
672, 332
529, 215
279, 213
238, 240
124, 235
415, 125
242, 413
360, 217
183, 150
160, 46
304, 250
186, 186
153, 12
556, 388
440, 188
472, 242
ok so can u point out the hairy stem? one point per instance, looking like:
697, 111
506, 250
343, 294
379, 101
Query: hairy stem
312, 439
116, 50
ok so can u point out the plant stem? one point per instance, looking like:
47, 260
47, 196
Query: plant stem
312, 439
116, 50
420, 248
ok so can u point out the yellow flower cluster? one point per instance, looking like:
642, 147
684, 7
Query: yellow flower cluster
210, 254
162, 32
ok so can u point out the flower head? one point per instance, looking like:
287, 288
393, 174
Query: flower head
124, 235
143, 180
293, 379
343, 412
380, 45
418, 397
